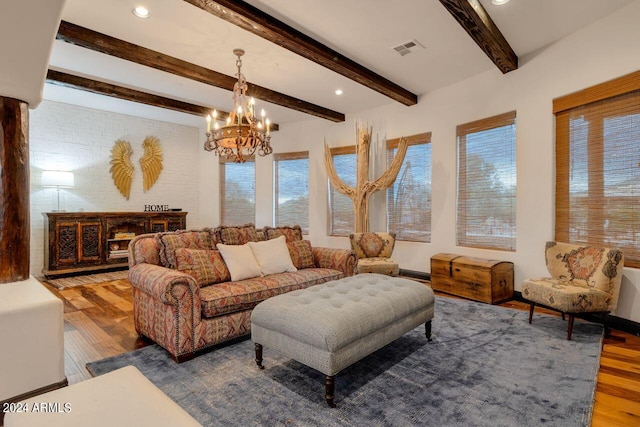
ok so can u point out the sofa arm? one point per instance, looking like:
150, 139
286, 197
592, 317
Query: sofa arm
337, 259
162, 283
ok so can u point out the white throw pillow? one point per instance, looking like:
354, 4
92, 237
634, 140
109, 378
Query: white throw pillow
273, 256
240, 261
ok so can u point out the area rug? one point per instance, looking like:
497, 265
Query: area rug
69, 282
486, 366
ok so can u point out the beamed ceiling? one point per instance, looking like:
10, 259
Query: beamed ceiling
297, 52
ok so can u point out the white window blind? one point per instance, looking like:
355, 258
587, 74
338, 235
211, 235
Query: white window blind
237, 192
486, 199
598, 166
409, 198
291, 189
341, 214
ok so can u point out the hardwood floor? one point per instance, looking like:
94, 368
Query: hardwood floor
99, 324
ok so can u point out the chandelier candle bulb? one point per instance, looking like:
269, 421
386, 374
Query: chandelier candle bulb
208, 123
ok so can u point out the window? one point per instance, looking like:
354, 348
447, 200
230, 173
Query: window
598, 166
409, 198
237, 192
487, 183
291, 189
342, 220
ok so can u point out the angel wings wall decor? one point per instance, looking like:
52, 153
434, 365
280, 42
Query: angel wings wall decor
122, 167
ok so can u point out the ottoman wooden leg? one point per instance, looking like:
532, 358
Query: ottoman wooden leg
329, 390
258, 348
427, 330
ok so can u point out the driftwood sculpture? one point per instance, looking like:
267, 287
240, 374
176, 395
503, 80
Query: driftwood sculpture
364, 188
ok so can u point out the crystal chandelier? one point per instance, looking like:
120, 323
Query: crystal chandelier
244, 133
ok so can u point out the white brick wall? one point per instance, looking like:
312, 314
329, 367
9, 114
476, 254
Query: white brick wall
80, 139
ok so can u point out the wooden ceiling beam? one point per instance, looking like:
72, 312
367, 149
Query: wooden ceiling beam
478, 24
60, 78
269, 28
89, 39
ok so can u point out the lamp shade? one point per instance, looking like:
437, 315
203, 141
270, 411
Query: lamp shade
57, 179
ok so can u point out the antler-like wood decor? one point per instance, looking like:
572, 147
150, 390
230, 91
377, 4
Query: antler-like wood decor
364, 188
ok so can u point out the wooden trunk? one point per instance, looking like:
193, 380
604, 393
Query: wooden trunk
478, 279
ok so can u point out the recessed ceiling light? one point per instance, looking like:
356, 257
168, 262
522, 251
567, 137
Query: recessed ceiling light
499, 2
141, 12
339, 92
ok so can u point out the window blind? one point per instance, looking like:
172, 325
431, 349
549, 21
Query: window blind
598, 166
237, 192
291, 189
409, 198
486, 199
341, 214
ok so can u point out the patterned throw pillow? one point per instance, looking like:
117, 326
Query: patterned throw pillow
301, 254
236, 234
291, 233
206, 266
171, 241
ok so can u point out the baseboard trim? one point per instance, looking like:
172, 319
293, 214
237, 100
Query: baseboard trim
31, 394
614, 322
421, 275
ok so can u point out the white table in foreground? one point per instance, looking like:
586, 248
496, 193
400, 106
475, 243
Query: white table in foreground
123, 397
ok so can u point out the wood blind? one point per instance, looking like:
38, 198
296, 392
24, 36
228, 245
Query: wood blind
486, 199
291, 189
598, 166
409, 198
341, 214
237, 192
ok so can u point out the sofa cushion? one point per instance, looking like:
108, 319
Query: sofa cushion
272, 256
170, 241
240, 261
229, 297
291, 233
206, 266
236, 234
301, 254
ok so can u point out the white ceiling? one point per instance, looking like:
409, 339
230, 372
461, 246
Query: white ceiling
363, 30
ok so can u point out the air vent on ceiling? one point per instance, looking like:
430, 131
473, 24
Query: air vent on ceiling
407, 47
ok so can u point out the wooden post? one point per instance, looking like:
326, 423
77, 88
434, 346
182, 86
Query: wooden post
14, 190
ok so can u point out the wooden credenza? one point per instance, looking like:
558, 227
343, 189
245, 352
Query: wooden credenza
478, 279
81, 242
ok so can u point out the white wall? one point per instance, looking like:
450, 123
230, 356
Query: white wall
80, 139
604, 50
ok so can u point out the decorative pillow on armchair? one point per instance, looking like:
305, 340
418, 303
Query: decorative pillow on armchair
236, 234
301, 254
206, 266
291, 233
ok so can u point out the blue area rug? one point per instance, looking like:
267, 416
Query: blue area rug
486, 366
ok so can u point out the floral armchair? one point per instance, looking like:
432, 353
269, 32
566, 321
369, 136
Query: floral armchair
584, 279
374, 252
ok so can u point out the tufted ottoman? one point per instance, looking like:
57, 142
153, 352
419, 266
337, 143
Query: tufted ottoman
333, 325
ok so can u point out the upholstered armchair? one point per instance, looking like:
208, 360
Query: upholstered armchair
584, 279
374, 252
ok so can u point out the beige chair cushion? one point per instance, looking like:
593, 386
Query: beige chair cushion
564, 296
370, 245
378, 265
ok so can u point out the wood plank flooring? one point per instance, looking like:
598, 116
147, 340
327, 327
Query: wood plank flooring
99, 324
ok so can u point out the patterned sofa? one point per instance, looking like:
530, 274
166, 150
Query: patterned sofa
183, 296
